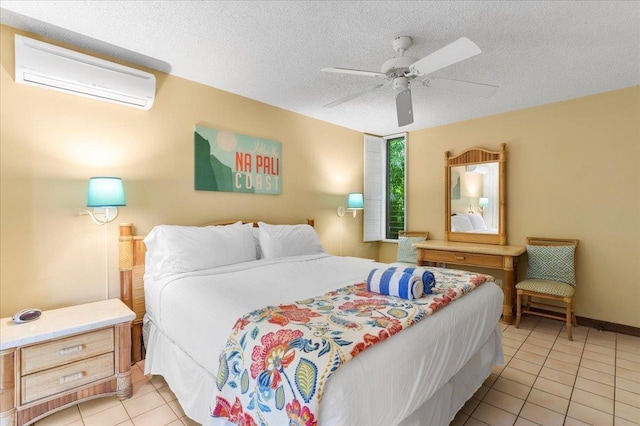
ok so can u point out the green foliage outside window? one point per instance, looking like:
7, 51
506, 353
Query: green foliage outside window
396, 149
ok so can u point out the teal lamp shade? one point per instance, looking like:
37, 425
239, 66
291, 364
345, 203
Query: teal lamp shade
105, 192
355, 201
483, 202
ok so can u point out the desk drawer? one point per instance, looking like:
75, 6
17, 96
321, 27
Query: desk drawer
50, 382
63, 351
462, 258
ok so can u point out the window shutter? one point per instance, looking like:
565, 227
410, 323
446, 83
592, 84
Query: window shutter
374, 188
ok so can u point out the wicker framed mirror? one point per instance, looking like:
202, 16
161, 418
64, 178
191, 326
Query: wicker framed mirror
475, 196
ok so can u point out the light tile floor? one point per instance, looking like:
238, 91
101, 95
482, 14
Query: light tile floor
546, 380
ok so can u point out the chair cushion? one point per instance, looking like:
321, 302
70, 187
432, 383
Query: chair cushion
407, 253
554, 288
553, 263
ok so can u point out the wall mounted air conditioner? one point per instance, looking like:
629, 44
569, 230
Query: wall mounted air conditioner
45, 65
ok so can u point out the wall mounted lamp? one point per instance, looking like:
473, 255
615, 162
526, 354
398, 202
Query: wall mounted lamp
106, 194
482, 203
355, 202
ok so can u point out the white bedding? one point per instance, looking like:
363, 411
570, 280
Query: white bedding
470, 222
484, 231
192, 314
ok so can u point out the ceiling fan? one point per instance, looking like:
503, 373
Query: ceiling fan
402, 70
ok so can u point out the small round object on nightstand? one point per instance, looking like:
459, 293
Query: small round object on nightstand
26, 315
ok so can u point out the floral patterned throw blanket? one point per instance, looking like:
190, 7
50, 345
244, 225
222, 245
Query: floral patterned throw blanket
277, 360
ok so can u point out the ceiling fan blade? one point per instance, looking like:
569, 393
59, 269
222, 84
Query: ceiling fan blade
404, 108
354, 95
459, 50
357, 72
467, 87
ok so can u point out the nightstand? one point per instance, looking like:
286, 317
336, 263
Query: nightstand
67, 356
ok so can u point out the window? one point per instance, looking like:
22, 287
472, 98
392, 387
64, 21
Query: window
395, 217
384, 186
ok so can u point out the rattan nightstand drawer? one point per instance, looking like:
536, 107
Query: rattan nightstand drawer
59, 352
50, 382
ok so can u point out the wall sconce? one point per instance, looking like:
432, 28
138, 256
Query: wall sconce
106, 193
355, 202
482, 203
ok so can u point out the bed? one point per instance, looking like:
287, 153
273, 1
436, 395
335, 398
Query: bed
187, 306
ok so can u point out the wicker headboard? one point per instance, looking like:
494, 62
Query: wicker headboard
132, 252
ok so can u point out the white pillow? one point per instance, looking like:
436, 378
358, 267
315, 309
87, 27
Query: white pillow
477, 221
256, 241
173, 249
461, 223
288, 240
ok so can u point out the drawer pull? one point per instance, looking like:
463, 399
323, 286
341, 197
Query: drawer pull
71, 377
459, 257
71, 350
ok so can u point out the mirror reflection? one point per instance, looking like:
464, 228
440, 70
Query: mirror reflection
475, 198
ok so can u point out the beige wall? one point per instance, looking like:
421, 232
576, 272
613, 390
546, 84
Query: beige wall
573, 171
51, 143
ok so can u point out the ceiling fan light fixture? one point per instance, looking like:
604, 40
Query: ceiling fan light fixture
400, 84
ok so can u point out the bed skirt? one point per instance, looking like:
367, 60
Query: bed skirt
193, 385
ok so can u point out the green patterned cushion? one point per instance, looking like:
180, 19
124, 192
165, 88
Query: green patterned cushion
407, 253
553, 263
547, 287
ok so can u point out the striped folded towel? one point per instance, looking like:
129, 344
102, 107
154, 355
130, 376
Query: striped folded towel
395, 283
428, 279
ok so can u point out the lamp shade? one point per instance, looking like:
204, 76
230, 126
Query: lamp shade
355, 201
483, 202
105, 192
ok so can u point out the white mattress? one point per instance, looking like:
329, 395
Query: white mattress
383, 385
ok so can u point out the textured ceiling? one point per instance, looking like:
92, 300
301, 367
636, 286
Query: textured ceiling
272, 51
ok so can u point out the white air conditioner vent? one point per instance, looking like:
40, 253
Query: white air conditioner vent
53, 67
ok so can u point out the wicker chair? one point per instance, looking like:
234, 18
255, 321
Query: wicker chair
551, 276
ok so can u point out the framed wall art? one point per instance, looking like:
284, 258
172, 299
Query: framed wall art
230, 162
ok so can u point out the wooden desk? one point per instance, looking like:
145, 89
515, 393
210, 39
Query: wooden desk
482, 255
